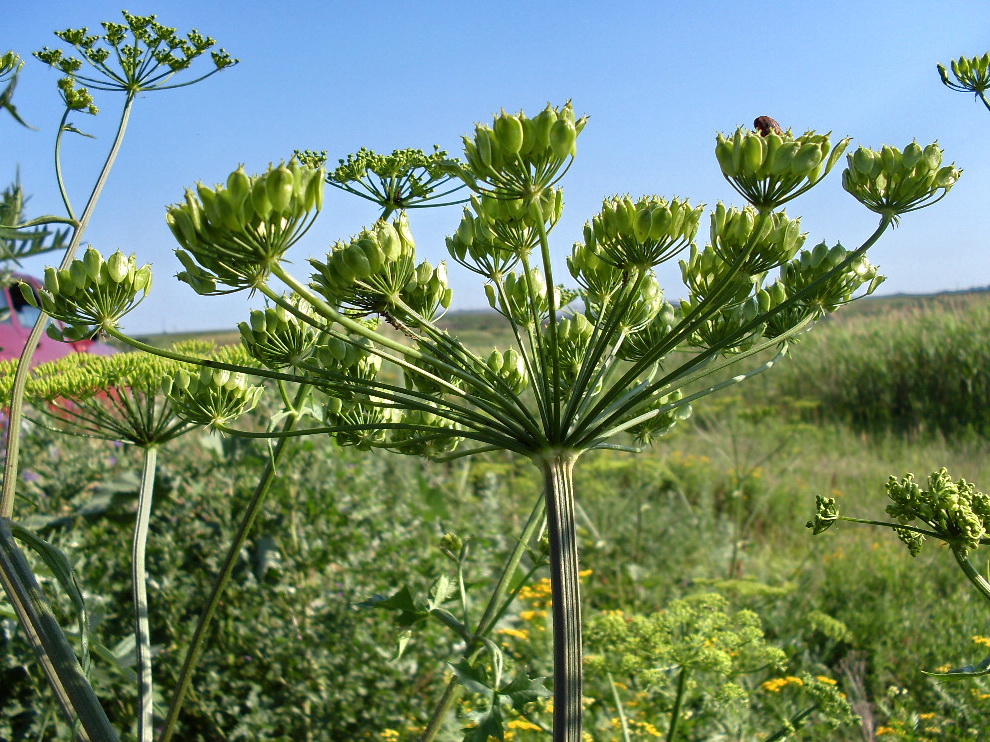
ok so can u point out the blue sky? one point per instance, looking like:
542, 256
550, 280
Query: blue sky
658, 80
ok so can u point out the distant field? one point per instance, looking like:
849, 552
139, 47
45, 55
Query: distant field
484, 328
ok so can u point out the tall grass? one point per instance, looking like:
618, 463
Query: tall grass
914, 369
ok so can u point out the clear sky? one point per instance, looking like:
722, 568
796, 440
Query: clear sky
658, 80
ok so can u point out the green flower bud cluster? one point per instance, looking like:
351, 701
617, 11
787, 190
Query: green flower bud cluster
782, 320
501, 230
364, 416
369, 274
114, 397
90, 295
972, 74
640, 343
644, 233
234, 235
342, 361
450, 545
700, 634
139, 54
759, 242
508, 367
806, 271
279, 338
706, 270
826, 513
956, 511
891, 182
658, 426
726, 328
573, 337
769, 171
428, 370
211, 397
519, 156
406, 178
522, 308
10, 65
426, 294
598, 278
636, 306
426, 435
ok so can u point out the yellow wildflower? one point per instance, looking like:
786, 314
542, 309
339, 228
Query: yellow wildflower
982, 640
524, 724
825, 679
518, 633
777, 684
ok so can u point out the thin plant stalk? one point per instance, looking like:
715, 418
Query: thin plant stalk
139, 578
24, 365
195, 649
620, 709
497, 605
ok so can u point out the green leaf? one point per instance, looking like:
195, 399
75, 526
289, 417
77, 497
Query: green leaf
523, 690
61, 570
442, 589
963, 673
409, 611
488, 723
472, 678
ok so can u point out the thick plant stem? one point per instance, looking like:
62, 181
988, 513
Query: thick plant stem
675, 715
72, 690
221, 580
139, 580
568, 671
24, 364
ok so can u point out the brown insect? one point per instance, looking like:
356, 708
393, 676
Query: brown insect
765, 124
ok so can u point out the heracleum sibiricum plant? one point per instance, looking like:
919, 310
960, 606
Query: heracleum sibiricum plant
137, 56
599, 367
121, 398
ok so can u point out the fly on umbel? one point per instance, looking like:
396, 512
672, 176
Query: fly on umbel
765, 124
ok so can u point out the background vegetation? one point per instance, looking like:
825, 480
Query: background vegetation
892, 386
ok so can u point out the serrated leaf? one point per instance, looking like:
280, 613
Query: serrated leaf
401, 644
488, 723
404, 602
472, 678
442, 589
523, 690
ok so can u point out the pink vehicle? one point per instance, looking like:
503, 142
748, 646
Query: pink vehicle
17, 317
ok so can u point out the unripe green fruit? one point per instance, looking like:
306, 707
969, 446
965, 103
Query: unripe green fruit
563, 138
544, 121
509, 130
239, 183
280, 187
753, 152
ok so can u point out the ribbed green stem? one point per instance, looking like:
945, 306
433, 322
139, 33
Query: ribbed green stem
568, 670
65, 676
139, 579
220, 582
675, 714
